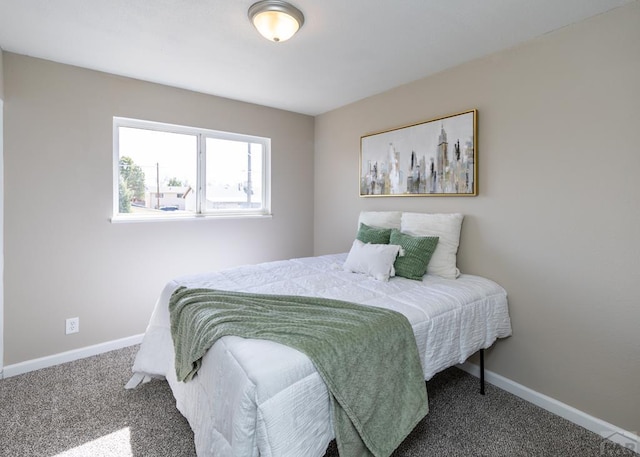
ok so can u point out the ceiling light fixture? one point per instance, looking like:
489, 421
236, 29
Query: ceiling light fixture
276, 20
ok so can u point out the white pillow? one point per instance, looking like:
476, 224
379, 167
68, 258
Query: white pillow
447, 228
381, 219
375, 260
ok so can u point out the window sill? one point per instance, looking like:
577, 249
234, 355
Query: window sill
186, 217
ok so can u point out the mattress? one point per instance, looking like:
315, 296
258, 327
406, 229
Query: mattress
260, 398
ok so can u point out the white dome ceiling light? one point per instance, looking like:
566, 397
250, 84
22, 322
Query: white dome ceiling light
276, 20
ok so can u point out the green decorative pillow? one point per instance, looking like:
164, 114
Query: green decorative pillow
373, 235
417, 253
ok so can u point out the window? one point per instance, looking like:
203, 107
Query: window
163, 170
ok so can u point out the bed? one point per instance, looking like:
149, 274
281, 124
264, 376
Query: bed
259, 398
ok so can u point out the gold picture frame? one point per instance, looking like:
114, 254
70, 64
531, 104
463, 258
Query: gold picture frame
438, 157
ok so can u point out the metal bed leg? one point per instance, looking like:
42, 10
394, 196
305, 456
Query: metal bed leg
481, 371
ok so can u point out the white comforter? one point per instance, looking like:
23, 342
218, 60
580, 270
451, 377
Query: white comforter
259, 398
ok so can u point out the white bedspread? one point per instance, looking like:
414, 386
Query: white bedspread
259, 398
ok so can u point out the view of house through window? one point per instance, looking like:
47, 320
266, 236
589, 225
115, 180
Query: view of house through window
167, 170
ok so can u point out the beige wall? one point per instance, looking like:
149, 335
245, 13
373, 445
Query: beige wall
64, 258
1, 76
556, 221
1, 213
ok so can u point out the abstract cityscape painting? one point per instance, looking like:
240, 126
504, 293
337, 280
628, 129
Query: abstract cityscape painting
432, 158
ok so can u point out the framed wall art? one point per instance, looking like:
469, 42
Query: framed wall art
432, 158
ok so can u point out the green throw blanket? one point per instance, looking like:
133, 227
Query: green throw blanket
367, 356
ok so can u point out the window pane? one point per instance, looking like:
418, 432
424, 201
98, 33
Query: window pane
234, 175
157, 172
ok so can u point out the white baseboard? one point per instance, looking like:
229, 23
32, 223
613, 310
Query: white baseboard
69, 356
606, 430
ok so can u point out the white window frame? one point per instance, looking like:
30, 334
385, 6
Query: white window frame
202, 135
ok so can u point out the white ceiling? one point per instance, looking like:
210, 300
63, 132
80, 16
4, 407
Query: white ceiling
347, 49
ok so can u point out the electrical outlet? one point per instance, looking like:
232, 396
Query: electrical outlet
73, 325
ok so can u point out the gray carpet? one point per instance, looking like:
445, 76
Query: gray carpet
82, 409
